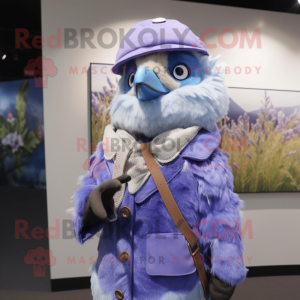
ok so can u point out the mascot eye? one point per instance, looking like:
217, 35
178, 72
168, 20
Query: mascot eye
131, 79
181, 72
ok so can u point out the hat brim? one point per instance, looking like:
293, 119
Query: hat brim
117, 68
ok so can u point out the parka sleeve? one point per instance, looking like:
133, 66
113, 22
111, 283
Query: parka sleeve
219, 227
98, 173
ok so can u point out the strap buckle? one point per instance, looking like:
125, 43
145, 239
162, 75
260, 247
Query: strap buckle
195, 250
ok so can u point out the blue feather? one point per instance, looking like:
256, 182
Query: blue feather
202, 105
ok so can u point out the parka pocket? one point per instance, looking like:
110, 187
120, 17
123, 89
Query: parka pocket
168, 255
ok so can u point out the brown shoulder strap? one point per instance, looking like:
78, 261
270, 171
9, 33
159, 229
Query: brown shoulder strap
175, 213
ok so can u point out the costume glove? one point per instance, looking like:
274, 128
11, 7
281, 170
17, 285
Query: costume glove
219, 289
100, 204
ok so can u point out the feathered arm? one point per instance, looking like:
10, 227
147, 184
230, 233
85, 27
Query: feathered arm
219, 227
98, 173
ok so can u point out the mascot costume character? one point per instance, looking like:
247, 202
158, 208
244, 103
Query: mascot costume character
159, 189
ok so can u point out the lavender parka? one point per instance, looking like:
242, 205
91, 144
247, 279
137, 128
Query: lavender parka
159, 264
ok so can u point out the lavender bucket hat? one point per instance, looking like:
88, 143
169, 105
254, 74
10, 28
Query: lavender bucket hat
156, 35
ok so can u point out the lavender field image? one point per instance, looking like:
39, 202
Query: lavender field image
104, 86
261, 138
260, 135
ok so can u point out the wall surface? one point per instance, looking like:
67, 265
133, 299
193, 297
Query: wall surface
274, 59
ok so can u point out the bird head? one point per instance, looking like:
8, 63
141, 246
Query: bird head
167, 87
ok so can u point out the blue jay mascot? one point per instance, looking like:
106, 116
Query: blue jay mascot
171, 96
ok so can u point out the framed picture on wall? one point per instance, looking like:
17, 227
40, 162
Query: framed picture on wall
104, 86
22, 149
260, 134
261, 138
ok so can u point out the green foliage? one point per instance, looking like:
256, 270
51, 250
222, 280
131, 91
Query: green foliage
17, 131
31, 141
4, 127
21, 104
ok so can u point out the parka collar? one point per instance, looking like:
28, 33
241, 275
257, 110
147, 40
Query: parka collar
203, 144
199, 149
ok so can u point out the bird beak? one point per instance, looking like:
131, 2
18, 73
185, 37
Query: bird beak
147, 86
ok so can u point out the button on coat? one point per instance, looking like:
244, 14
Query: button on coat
125, 212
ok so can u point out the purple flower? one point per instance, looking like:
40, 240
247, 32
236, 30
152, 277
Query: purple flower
226, 154
95, 104
292, 152
223, 129
14, 140
267, 110
112, 86
240, 120
10, 118
251, 142
293, 115
281, 120
259, 137
102, 96
106, 91
245, 134
249, 155
256, 126
288, 134
297, 128
236, 166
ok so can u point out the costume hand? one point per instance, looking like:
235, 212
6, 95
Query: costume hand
100, 204
219, 289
